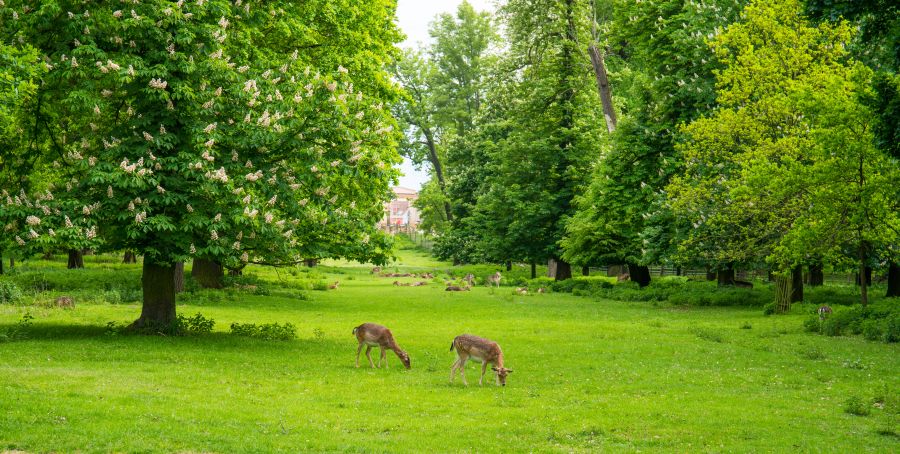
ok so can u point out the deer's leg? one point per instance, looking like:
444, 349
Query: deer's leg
453, 369
358, 350
368, 349
383, 358
462, 370
483, 370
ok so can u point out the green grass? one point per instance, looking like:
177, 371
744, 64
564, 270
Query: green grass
590, 375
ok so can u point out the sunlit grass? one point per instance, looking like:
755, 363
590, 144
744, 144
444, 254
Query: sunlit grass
589, 376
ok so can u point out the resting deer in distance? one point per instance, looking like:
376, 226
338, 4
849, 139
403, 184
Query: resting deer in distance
481, 350
522, 290
456, 288
495, 279
372, 335
470, 279
335, 285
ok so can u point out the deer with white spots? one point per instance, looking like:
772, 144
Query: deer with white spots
494, 279
481, 350
374, 335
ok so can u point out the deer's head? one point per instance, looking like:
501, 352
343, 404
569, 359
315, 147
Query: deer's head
502, 373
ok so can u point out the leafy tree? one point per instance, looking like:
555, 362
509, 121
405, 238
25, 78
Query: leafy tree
786, 167
190, 130
664, 74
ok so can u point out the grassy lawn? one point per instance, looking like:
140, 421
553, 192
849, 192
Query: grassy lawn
589, 375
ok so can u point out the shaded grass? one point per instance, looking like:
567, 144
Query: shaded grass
590, 375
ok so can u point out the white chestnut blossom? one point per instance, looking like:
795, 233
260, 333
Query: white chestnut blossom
158, 84
33, 220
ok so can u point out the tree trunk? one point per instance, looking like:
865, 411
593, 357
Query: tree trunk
678, 271
868, 276
533, 270
207, 273
48, 255
1, 263
311, 263
76, 259
508, 266
816, 275
438, 169
639, 274
893, 280
609, 112
130, 257
783, 292
865, 275
585, 271
179, 277
797, 284
710, 274
559, 269
12, 263
725, 276
158, 310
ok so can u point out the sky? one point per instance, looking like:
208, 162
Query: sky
413, 17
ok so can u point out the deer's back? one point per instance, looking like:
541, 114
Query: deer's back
477, 347
373, 334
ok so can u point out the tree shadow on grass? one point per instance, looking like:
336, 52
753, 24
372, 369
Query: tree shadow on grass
221, 340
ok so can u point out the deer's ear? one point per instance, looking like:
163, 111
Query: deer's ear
508, 371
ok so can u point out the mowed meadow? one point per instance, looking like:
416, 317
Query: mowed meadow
589, 375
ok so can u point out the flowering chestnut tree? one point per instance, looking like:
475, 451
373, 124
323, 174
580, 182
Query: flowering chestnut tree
181, 133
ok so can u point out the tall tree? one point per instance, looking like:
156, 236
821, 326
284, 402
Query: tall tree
191, 137
786, 166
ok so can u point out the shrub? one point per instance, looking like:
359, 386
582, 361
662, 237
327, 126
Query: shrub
856, 406
198, 324
19, 331
267, 331
9, 293
877, 322
320, 285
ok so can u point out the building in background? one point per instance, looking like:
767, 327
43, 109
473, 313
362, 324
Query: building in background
400, 212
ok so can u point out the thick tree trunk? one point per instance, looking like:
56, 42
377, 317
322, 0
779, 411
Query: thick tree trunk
76, 259
865, 275
678, 271
725, 276
783, 292
710, 274
508, 266
158, 310
533, 270
311, 263
639, 274
797, 284
559, 269
208, 273
609, 113
130, 257
179, 277
893, 280
868, 276
816, 275
1, 262
585, 271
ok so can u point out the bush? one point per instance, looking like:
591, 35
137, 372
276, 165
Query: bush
19, 331
877, 322
198, 324
9, 293
856, 406
267, 331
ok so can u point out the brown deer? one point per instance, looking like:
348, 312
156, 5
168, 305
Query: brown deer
335, 285
623, 277
495, 279
542, 290
522, 290
376, 270
481, 350
372, 335
456, 288
824, 312
470, 279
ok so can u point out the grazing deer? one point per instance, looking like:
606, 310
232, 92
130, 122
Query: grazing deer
495, 279
66, 302
623, 277
372, 335
824, 312
481, 350
335, 285
542, 290
456, 288
522, 290
470, 279
376, 270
